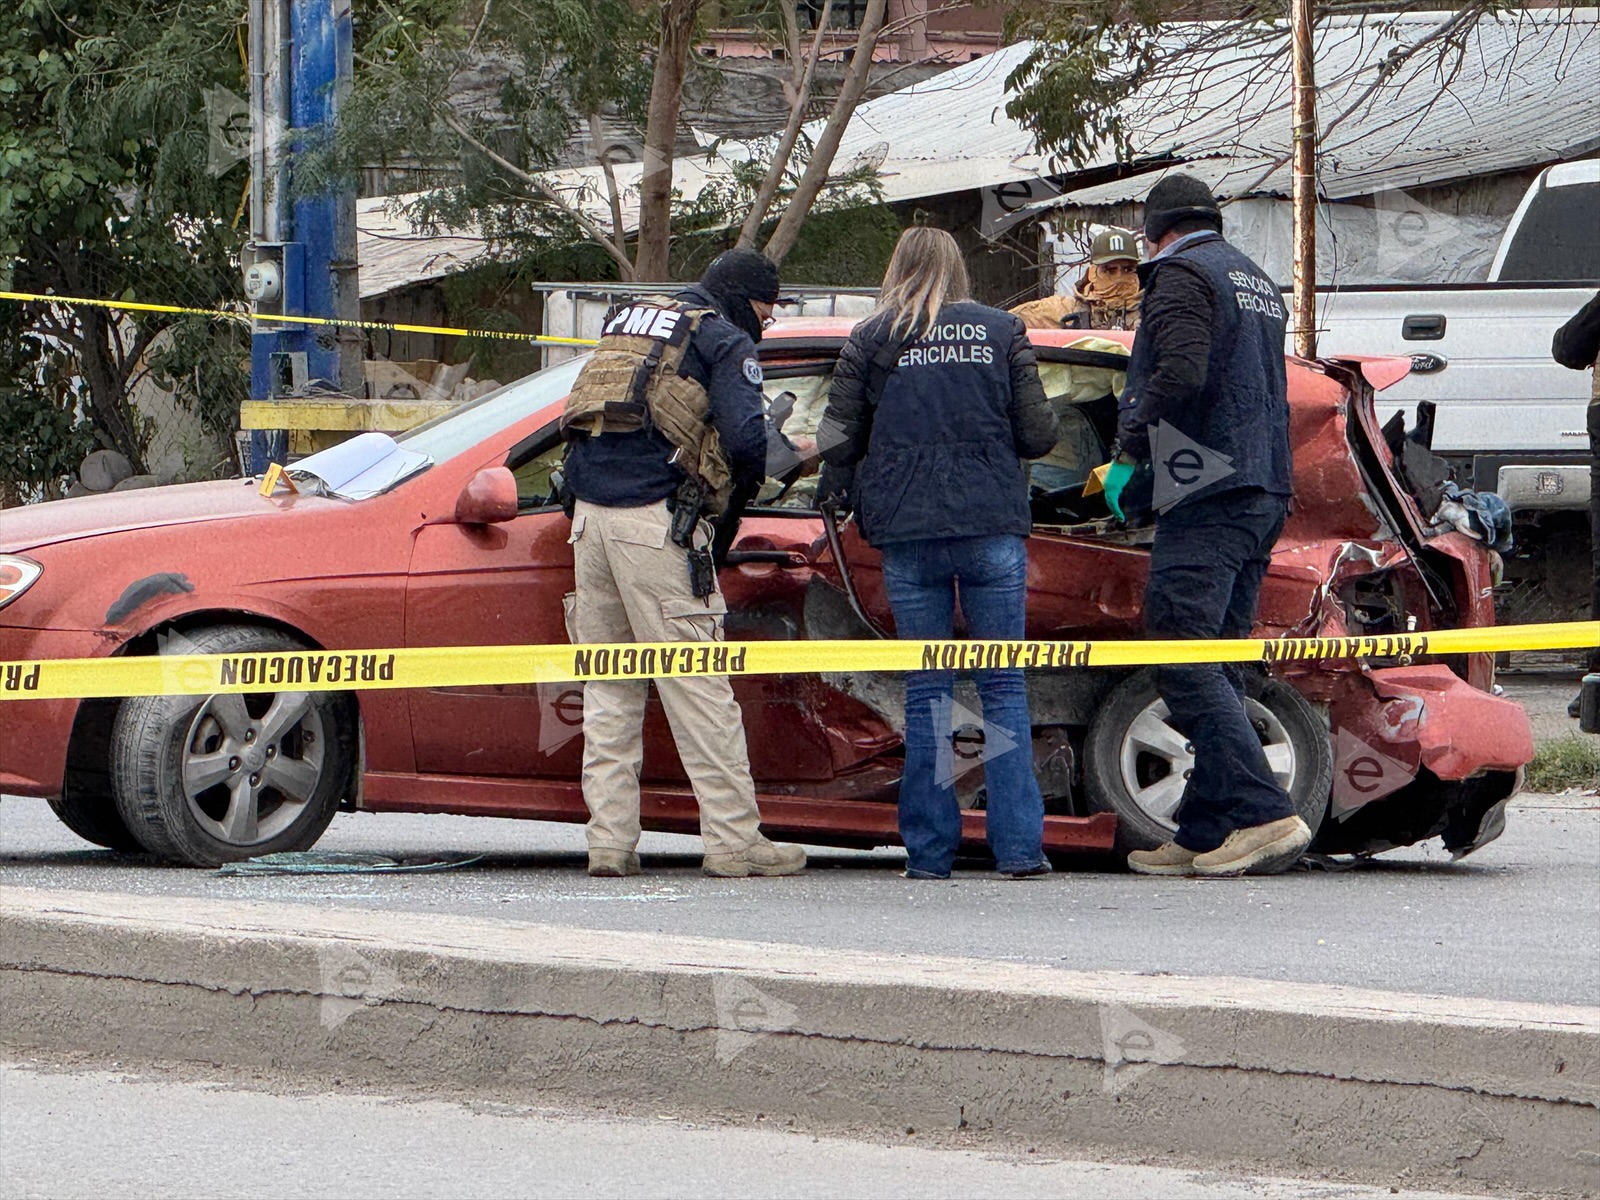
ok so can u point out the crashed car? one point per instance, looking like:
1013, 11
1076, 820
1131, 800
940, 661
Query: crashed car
452, 534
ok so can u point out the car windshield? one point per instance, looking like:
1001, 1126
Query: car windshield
447, 436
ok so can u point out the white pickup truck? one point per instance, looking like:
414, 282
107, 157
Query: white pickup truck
1509, 419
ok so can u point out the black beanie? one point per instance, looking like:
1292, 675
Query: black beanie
1179, 198
736, 277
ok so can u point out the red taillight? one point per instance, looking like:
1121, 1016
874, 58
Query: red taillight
17, 575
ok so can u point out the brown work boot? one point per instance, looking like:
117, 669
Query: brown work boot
1169, 858
613, 864
760, 857
1257, 850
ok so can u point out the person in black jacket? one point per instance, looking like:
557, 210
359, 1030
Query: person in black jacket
634, 579
1206, 406
938, 400
1577, 345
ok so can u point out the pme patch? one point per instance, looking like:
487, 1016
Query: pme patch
651, 321
752, 371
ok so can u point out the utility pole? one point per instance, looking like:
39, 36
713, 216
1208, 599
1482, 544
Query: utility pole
1301, 24
301, 259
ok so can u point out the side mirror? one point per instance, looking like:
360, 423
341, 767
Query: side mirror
489, 498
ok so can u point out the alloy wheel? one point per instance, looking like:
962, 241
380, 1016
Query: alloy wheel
1156, 760
252, 763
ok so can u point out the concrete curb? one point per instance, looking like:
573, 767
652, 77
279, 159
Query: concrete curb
1367, 1085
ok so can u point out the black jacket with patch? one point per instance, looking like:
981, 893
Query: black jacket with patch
941, 452
626, 470
1208, 362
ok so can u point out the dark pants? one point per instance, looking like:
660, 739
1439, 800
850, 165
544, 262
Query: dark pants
922, 579
1206, 569
1594, 522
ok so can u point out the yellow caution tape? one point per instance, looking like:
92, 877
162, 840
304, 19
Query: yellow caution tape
468, 666
225, 315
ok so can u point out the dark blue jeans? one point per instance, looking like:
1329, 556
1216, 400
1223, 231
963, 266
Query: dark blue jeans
922, 578
1206, 567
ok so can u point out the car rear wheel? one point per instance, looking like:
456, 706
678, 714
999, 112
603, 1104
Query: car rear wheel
205, 780
1135, 762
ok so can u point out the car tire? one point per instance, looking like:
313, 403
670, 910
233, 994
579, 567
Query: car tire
1133, 760
95, 819
204, 780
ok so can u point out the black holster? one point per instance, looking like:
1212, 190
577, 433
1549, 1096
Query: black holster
685, 505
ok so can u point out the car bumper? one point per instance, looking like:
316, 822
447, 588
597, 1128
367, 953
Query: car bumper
1419, 753
35, 734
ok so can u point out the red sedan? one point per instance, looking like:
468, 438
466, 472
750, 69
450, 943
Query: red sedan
418, 545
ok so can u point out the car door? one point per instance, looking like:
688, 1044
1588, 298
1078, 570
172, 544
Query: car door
504, 584
823, 735
497, 585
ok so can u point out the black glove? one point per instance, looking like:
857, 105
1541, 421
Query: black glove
836, 489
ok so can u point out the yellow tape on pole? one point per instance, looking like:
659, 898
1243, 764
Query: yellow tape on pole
225, 315
468, 666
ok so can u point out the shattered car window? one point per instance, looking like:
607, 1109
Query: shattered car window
795, 402
1085, 402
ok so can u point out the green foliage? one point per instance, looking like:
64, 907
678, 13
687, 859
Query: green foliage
105, 191
42, 437
1572, 761
438, 84
1089, 56
443, 92
847, 247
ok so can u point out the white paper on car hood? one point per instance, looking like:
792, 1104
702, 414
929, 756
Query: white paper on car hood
367, 465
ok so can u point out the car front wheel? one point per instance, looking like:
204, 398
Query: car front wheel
1136, 763
204, 780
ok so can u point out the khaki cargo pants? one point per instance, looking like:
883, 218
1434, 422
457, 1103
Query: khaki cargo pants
632, 585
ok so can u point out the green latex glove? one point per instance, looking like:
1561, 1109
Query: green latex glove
1116, 479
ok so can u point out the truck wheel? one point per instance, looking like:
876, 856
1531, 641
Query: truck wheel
1134, 761
204, 780
94, 818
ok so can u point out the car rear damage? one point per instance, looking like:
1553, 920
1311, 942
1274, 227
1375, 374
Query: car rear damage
1413, 749
1421, 749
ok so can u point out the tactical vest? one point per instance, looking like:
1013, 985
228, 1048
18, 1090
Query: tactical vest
633, 382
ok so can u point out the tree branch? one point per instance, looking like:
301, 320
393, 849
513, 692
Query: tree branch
613, 194
844, 106
781, 154
549, 194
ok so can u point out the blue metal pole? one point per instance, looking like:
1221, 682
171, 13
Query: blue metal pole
319, 242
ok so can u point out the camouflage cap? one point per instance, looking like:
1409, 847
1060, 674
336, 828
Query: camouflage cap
1112, 244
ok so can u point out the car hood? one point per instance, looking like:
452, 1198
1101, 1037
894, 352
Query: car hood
35, 525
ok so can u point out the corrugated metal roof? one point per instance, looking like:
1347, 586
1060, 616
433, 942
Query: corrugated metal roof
1522, 89
946, 134
392, 255
1519, 90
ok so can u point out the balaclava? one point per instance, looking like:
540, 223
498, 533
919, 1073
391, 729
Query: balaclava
736, 277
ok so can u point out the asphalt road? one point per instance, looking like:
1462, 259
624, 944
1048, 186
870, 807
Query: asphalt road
1518, 920
175, 1135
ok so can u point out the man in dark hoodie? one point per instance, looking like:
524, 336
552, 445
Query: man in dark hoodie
665, 423
1206, 406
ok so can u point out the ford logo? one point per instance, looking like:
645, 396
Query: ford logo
1427, 364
